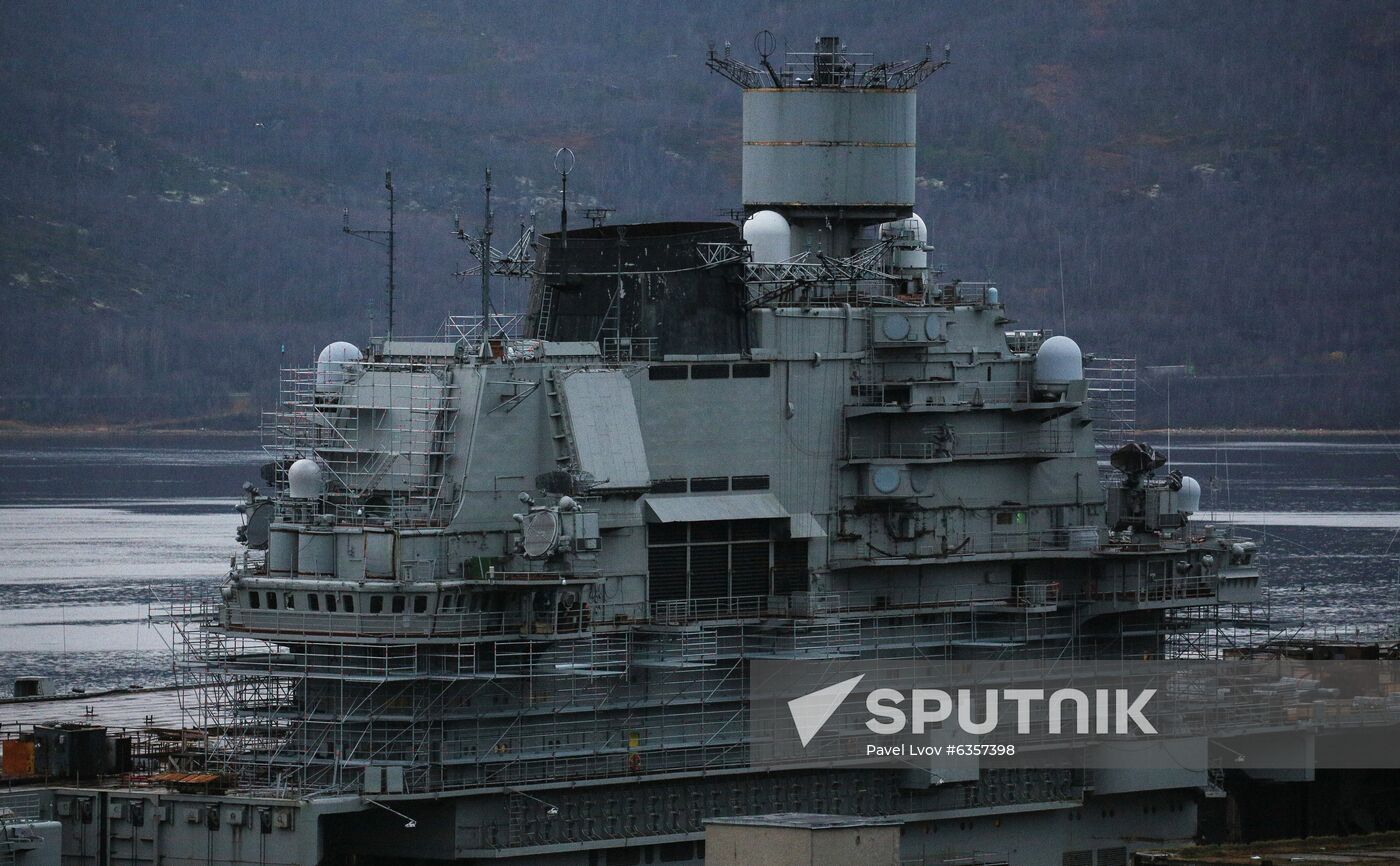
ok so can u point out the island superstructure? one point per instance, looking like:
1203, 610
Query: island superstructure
500, 593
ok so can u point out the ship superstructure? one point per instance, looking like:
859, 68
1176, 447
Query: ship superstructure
505, 582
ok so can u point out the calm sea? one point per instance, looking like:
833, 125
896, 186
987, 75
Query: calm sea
94, 531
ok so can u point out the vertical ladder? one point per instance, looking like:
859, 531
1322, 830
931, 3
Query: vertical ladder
543, 314
610, 330
515, 806
559, 421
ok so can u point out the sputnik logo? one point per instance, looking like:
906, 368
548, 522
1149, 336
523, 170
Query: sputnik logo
812, 710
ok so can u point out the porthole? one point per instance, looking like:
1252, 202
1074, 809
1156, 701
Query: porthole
885, 479
895, 327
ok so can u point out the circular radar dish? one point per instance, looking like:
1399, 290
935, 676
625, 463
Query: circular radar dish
885, 479
933, 327
895, 327
764, 42
564, 160
540, 534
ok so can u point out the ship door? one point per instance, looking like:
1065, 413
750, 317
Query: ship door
379, 554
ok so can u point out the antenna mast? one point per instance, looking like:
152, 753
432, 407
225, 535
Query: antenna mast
486, 263
564, 163
384, 238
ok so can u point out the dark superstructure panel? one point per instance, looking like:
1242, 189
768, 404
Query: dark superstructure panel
647, 283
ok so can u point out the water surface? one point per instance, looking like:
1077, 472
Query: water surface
95, 531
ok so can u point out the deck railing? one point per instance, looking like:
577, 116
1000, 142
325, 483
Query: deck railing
1036, 442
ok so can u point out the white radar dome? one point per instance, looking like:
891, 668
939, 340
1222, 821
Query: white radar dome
334, 363
770, 236
911, 227
1058, 361
1189, 496
911, 236
304, 479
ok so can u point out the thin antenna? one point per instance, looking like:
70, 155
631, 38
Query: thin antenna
384, 238
1064, 316
1169, 420
764, 43
564, 163
389, 185
486, 263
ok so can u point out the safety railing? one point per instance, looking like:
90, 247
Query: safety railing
371, 625
629, 349
20, 805
690, 610
952, 446
1062, 538
942, 394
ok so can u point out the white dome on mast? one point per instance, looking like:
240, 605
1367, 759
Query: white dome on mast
770, 236
334, 363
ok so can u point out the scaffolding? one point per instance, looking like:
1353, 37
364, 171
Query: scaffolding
379, 430
1112, 402
635, 690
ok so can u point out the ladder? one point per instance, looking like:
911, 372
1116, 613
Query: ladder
546, 308
516, 819
610, 330
559, 421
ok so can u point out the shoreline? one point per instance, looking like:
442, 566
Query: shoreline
17, 431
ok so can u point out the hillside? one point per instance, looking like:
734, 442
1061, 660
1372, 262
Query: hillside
1212, 185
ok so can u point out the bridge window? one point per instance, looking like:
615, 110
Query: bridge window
750, 482
709, 371
668, 372
753, 371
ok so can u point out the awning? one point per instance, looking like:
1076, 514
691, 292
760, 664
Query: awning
719, 506
805, 525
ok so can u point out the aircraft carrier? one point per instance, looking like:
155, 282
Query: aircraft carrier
500, 588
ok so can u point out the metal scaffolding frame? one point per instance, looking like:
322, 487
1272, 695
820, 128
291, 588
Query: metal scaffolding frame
378, 429
635, 692
1112, 403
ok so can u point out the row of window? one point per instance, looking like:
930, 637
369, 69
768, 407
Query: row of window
332, 602
711, 484
671, 372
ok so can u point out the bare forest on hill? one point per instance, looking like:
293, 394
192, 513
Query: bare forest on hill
1204, 184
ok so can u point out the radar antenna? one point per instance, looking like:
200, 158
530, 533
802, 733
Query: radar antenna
383, 237
486, 243
564, 163
764, 42
517, 261
830, 65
